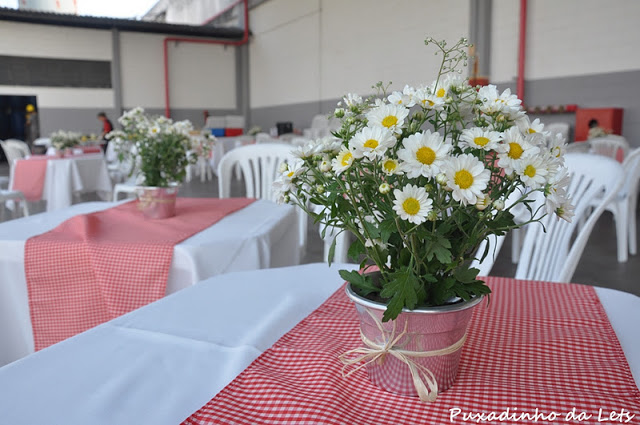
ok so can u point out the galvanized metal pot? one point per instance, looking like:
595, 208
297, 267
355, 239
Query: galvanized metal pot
157, 202
425, 330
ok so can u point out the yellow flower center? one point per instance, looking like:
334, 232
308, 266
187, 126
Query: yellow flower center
481, 141
371, 143
389, 121
531, 131
291, 173
389, 166
530, 171
463, 179
411, 206
345, 159
515, 151
440, 92
425, 155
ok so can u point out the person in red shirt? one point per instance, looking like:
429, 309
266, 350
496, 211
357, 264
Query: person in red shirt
106, 128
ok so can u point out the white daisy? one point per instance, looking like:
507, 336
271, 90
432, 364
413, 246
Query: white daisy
423, 154
371, 142
428, 100
533, 171
467, 178
478, 138
565, 210
528, 127
352, 99
557, 147
513, 149
412, 203
404, 97
390, 166
390, 117
342, 161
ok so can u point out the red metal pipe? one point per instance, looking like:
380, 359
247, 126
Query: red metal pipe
243, 40
521, 49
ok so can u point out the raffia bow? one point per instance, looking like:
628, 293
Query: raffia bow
145, 201
422, 377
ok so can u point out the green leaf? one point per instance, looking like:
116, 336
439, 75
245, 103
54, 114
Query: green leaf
440, 247
361, 282
355, 250
402, 291
466, 275
332, 251
387, 227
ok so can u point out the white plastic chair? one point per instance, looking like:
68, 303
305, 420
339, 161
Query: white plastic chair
485, 266
623, 207
613, 146
14, 149
264, 138
259, 166
558, 128
554, 255
578, 147
17, 197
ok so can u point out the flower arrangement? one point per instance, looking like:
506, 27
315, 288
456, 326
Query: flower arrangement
62, 140
421, 177
158, 148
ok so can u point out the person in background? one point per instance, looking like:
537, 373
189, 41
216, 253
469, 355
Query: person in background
106, 128
32, 127
595, 130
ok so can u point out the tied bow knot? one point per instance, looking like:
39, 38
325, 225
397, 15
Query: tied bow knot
424, 380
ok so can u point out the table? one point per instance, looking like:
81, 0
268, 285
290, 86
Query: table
261, 235
159, 364
68, 176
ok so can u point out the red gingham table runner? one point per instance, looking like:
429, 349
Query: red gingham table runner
28, 177
95, 267
543, 349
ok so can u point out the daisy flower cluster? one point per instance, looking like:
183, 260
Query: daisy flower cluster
422, 176
159, 148
65, 139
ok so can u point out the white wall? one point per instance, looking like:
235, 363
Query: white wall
200, 75
566, 38
305, 51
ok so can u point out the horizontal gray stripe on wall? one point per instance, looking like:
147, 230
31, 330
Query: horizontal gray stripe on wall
85, 120
612, 90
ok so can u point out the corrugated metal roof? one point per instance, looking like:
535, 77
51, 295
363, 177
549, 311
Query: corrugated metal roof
48, 18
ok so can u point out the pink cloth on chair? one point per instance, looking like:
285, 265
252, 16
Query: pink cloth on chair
95, 267
28, 177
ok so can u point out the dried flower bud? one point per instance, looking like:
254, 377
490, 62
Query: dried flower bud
339, 113
432, 215
325, 166
320, 188
286, 199
498, 204
384, 188
428, 187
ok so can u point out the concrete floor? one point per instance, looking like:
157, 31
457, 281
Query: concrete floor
598, 265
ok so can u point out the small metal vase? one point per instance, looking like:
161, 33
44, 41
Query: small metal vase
157, 202
427, 329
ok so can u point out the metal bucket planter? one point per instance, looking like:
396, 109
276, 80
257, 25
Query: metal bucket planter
157, 202
418, 353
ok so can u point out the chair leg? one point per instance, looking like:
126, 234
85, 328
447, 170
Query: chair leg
633, 238
516, 245
620, 217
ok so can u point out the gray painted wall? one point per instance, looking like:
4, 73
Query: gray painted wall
613, 90
85, 120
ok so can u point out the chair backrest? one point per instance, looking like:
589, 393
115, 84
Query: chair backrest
14, 149
613, 146
554, 255
578, 147
263, 138
558, 128
259, 165
631, 167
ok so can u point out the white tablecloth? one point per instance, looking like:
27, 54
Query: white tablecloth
68, 176
261, 235
159, 364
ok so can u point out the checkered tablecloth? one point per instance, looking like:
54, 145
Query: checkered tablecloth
541, 349
95, 267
